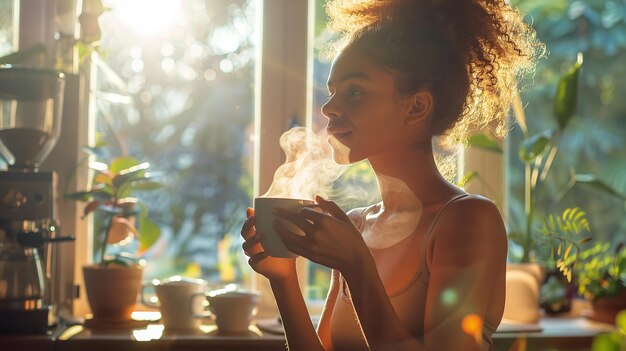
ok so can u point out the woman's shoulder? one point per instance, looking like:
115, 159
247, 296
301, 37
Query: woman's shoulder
470, 227
474, 205
473, 200
470, 217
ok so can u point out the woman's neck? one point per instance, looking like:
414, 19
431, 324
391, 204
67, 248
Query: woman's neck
408, 179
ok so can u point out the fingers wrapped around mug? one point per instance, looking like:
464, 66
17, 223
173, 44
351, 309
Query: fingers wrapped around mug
296, 219
252, 246
331, 208
295, 242
248, 229
256, 258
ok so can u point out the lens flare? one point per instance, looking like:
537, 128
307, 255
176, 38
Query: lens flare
449, 297
473, 326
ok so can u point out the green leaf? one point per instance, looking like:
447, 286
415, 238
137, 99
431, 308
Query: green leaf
146, 184
600, 185
101, 194
131, 174
567, 251
534, 146
567, 95
79, 195
122, 163
149, 232
567, 213
467, 178
620, 321
604, 342
484, 142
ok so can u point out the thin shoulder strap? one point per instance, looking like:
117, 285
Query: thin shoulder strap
426, 239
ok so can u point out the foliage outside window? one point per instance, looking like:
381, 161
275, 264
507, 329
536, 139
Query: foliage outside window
594, 142
175, 88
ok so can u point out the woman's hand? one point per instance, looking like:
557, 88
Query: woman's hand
273, 268
330, 238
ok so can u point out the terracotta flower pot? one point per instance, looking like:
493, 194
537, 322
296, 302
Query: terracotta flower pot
112, 291
606, 308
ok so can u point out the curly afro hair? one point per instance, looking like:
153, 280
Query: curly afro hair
468, 53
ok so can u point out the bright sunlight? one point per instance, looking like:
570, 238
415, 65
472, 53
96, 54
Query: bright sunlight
148, 16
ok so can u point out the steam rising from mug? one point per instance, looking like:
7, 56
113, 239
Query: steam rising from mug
309, 168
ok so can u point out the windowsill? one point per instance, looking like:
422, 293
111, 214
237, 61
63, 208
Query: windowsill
562, 333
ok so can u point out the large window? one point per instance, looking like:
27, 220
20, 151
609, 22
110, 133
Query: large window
175, 87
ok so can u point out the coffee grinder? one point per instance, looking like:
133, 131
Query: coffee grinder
31, 103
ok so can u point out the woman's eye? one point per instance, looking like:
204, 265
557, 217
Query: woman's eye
354, 92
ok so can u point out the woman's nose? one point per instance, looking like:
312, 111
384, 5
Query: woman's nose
328, 109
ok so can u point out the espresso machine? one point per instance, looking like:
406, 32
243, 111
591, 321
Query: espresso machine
31, 103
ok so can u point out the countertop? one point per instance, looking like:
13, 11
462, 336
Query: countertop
560, 333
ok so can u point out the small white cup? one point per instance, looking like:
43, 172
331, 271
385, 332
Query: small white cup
175, 301
263, 211
232, 310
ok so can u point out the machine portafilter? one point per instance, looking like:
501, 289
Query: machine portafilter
31, 103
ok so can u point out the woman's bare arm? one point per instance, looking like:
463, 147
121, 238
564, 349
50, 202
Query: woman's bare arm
281, 272
299, 330
323, 328
468, 267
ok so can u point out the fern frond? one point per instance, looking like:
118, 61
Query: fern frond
567, 251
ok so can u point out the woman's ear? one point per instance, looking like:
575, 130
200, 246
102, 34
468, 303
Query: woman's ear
420, 105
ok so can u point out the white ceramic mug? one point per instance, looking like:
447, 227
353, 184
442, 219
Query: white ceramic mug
232, 310
263, 211
175, 301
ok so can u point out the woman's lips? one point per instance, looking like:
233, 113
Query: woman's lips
339, 134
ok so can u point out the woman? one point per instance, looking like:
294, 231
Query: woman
424, 269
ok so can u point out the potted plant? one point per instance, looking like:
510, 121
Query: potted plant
601, 275
525, 281
113, 283
562, 235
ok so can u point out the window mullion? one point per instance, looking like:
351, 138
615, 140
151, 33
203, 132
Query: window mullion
281, 101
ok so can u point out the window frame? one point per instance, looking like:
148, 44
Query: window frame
283, 64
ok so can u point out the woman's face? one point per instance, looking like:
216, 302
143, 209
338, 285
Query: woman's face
365, 113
